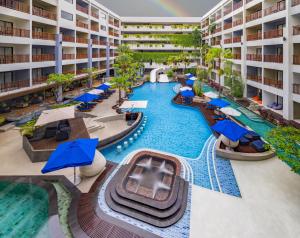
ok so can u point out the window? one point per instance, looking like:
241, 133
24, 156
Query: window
6, 77
103, 28
66, 15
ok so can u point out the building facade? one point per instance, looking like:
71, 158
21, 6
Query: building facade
39, 37
264, 38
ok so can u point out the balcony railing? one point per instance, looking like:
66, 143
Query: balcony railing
227, 25
279, 6
236, 56
296, 59
94, 28
102, 42
111, 22
15, 5
295, 2
94, 14
273, 33
254, 57
227, 11
255, 36
70, 71
81, 56
43, 35
11, 59
296, 30
236, 39
216, 42
219, 29
237, 22
296, 88
8, 31
96, 41
273, 58
82, 40
39, 80
237, 5
82, 9
228, 41
273, 82
43, 13
254, 16
96, 55
68, 56
43, 57
5, 87
68, 38
255, 78
102, 54
82, 24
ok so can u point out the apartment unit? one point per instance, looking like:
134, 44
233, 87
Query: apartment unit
150, 34
39, 37
264, 36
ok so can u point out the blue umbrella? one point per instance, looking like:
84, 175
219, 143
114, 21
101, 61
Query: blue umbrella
190, 82
86, 98
230, 129
218, 102
187, 93
189, 75
75, 153
103, 87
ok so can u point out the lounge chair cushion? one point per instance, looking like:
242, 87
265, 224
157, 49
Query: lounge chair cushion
50, 132
63, 134
251, 135
258, 145
244, 141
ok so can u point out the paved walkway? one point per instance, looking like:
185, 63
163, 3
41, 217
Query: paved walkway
269, 207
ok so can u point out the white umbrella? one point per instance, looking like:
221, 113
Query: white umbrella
185, 88
193, 78
96, 91
211, 95
230, 111
54, 115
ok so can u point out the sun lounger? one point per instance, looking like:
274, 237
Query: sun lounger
258, 145
244, 141
251, 135
63, 134
50, 132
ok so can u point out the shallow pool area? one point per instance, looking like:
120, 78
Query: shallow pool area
23, 210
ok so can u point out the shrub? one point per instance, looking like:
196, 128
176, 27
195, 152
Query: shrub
147, 78
191, 71
198, 88
170, 73
2, 120
28, 128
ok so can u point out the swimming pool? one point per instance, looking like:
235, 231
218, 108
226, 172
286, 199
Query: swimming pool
23, 210
182, 131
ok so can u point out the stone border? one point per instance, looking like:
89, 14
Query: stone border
53, 218
233, 155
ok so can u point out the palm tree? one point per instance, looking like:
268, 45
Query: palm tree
219, 55
185, 59
60, 80
121, 83
92, 74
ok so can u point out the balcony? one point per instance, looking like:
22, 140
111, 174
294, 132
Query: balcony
17, 32
255, 78
216, 42
218, 16
111, 22
102, 54
273, 58
295, 2
296, 88
68, 56
273, 33
43, 57
236, 39
81, 56
82, 9
237, 5
227, 26
96, 55
67, 38
279, 6
273, 82
237, 22
228, 41
254, 57
5, 87
82, 24
94, 28
94, 14
15, 5
82, 40
227, 11
254, 16
43, 13
236, 56
296, 30
96, 42
43, 35
296, 59
68, 71
219, 29
39, 80
11, 59
255, 36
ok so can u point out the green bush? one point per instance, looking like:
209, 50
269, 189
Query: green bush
198, 88
55, 106
2, 120
170, 73
191, 71
237, 89
147, 78
28, 128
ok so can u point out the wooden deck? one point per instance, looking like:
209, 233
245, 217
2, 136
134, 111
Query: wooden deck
78, 130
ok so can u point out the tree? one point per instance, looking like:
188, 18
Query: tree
124, 50
185, 59
286, 141
198, 88
220, 56
92, 74
121, 83
60, 80
197, 42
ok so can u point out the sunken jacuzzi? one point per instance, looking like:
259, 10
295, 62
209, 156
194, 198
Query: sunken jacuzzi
150, 189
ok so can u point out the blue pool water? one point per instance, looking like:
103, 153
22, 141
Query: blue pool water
171, 128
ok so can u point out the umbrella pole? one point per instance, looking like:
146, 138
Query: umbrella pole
74, 175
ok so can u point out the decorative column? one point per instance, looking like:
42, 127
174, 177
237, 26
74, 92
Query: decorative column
58, 54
